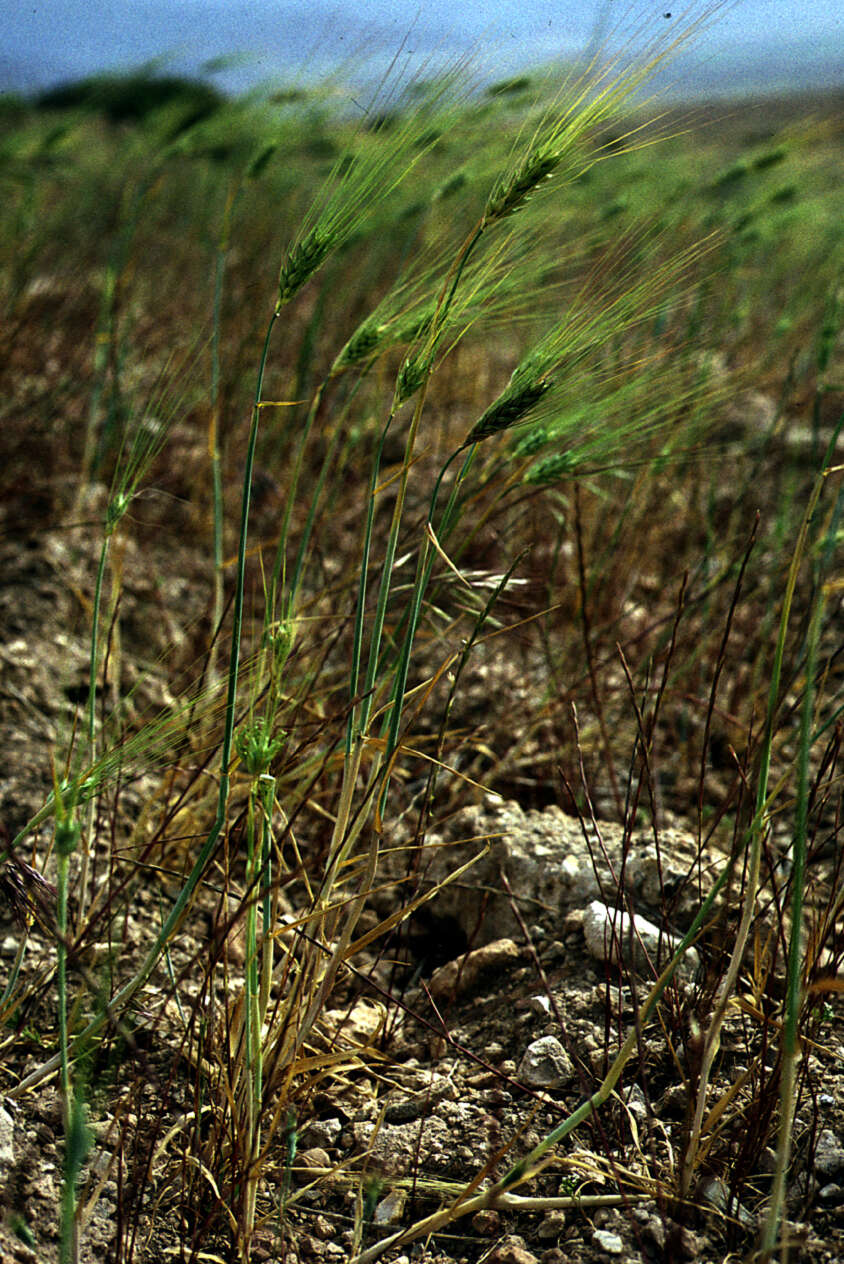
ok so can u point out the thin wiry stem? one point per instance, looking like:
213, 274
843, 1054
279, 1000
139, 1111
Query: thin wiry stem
129, 989
753, 844
794, 994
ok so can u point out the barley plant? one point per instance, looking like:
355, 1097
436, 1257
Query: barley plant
373, 456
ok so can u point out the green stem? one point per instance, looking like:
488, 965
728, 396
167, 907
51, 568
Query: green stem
794, 985
437, 324
423, 575
281, 548
68, 1234
251, 1022
91, 709
267, 798
125, 994
753, 844
63, 864
214, 442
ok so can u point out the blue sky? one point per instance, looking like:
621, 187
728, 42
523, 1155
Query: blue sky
751, 43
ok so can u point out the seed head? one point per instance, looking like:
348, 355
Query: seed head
27, 893
511, 193
360, 346
304, 259
512, 406
552, 468
411, 376
257, 747
531, 442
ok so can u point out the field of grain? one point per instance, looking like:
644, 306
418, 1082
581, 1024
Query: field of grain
373, 469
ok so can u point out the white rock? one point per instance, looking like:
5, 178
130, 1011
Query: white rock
551, 865
607, 930
390, 1209
7, 1148
609, 1242
717, 1194
634, 1099
545, 1064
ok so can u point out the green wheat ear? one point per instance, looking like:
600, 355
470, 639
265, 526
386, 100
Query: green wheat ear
512, 192
511, 407
257, 747
304, 259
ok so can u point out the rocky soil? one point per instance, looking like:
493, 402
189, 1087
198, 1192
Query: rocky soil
465, 1038
510, 995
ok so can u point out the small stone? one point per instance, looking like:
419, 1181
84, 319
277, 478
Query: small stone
323, 1133
573, 921
263, 1245
391, 1209
461, 975
545, 1064
486, 1222
654, 1229
674, 1101
609, 932
322, 1227
314, 1158
402, 1108
634, 1099
551, 1226
43, 1186
361, 1025
829, 1155
7, 1146
512, 1250
717, 1194
608, 1242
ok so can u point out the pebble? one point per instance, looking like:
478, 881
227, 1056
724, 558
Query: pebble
391, 1209
717, 1194
324, 1133
634, 1099
486, 1222
511, 1250
829, 1155
611, 1243
316, 1157
608, 931
551, 1226
545, 1064
7, 1146
461, 975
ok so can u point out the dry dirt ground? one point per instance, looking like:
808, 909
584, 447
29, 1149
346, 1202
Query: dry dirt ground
478, 1057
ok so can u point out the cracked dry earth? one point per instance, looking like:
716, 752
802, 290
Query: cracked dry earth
485, 1052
